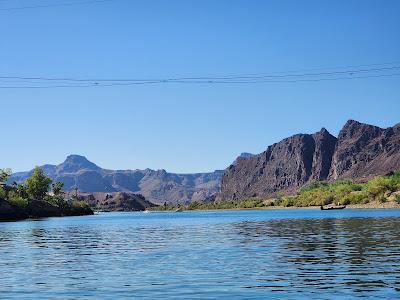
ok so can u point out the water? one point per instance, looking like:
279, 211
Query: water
289, 254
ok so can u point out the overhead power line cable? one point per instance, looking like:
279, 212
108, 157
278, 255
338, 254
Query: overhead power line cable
52, 5
229, 77
380, 70
197, 82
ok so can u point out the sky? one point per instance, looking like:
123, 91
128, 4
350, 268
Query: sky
187, 127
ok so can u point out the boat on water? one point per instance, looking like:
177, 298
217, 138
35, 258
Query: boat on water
179, 210
333, 207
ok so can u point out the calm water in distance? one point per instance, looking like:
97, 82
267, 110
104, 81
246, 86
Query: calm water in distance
264, 254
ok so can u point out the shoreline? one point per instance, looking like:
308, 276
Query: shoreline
37, 209
370, 205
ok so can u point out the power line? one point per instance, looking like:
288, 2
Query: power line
199, 82
244, 76
53, 5
344, 73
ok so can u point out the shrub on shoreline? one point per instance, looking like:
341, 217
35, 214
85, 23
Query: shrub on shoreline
79, 204
36, 189
17, 200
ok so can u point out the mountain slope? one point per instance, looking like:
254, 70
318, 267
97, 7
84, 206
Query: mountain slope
156, 186
364, 150
283, 166
360, 151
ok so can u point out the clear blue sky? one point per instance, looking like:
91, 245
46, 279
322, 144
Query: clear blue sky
187, 127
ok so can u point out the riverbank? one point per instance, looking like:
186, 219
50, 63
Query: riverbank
33, 199
369, 205
39, 209
376, 205
378, 192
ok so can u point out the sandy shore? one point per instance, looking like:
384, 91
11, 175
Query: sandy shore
376, 204
372, 205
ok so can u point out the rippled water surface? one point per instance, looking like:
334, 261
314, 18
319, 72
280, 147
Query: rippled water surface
290, 254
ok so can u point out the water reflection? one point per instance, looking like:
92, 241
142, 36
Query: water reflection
220, 255
357, 254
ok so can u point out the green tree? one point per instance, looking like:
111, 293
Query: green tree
57, 188
20, 189
17, 200
4, 174
38, 184
3, 193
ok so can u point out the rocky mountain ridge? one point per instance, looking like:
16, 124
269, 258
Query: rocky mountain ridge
157, 186
360, 151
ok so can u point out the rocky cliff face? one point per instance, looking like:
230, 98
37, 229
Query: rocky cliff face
156, 186
359, 151
283, 166
365, 150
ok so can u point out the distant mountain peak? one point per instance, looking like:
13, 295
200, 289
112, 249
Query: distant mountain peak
76, 157
355, 124
354, 128
74, 163
158, 186
351, 121
324, 131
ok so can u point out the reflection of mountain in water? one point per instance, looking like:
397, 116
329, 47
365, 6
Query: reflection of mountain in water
326, 253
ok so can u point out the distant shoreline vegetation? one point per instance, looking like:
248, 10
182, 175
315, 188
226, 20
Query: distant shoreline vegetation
381, 189
34, 199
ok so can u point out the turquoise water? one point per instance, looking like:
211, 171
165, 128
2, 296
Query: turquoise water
288, 254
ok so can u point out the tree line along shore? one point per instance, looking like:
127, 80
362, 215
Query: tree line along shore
39, 196
378, 192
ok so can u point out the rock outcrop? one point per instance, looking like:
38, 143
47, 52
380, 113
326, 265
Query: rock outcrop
364, 150
360, 151
117, 201
77, 211
38, 209
157, 186
10, 212
42, 209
